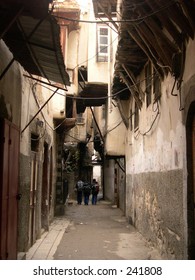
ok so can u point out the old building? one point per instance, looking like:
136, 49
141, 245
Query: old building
154, 79
125, 99
31, 72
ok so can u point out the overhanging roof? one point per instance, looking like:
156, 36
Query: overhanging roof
64, 124
34, 8
35, 43
93, 94
103, 8
155, 30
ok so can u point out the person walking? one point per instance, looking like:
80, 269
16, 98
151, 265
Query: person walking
86, 192
79, 190
95, 191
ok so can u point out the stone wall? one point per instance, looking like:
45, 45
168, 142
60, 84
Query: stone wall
155, 207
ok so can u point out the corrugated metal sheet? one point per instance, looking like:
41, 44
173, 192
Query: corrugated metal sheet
35, 8
34, 42
44, 46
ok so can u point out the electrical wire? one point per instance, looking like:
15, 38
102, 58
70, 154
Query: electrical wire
133, 21
38, 105
96, 54
154, 120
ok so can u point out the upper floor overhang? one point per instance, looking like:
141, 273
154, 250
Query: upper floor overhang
68, 13
93, 94
104, 8
155, 30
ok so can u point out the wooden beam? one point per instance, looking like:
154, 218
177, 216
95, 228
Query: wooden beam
121, 110
133, 80
189, 8
108, 15
166, 23
153, 45
176, 14
161, 38
132, 89
151, 56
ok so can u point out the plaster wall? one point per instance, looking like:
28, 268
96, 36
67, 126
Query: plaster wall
109, 180
33, 97
115, 133
10, 87
156, 182
100, 71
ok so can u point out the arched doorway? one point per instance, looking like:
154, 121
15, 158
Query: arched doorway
190, 136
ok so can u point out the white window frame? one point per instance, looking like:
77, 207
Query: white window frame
102, 56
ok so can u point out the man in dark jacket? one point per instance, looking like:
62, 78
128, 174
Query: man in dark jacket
95, 191
86, 192
79, 189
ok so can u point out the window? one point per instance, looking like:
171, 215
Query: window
136, 117
102, 43
71, 75
152, 83
80, 118
157, 87
148, 78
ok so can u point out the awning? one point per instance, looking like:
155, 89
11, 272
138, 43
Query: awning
34, 8
35, 44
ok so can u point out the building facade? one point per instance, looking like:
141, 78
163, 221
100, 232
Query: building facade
154, 73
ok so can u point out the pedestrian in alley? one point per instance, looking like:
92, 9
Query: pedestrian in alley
86, 192
79, 190
95, 191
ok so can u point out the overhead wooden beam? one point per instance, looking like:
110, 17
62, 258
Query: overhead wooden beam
108, 15
153, 46
166, 23
121, 110
133, 80
151, 56
133, 88
189, 8
180, 20
160, 36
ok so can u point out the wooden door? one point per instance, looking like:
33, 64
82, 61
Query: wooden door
193, 183
190, 137
33, 199
9, 170
45, 191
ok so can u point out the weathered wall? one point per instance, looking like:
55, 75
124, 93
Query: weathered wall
109, 180
10, 87
115, 133
20, 99
121, 184
156, 184
155, 201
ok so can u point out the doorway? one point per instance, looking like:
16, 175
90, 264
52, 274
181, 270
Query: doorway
32, 234
190, 136
45, 190
9, 174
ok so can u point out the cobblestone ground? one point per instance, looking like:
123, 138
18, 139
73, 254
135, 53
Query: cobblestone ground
101, 232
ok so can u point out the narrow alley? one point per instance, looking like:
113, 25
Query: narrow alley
92, 232
100, 92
